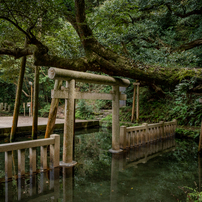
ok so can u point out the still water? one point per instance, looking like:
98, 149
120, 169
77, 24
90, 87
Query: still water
154, 172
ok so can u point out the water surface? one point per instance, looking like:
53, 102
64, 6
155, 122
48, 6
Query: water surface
154, 172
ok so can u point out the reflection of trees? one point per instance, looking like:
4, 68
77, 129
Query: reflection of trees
160, 178
91, 153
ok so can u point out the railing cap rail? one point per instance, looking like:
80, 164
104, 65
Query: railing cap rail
26, 144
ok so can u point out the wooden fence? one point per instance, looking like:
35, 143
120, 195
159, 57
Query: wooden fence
53, 141
146, 133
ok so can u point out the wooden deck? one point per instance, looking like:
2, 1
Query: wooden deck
25, 124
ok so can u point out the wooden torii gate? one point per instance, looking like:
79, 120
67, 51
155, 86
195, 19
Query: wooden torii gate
70, 94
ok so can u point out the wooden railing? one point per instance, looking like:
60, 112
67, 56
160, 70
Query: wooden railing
53, 141
146, 133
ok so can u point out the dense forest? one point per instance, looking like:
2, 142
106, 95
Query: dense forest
157, 43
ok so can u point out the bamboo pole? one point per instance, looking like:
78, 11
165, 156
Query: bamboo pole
200, 140
137, 105
36, 97
18, 97
133, 107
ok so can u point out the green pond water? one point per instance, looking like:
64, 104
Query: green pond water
153, 172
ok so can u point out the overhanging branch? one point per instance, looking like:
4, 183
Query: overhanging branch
187, 46
16, 52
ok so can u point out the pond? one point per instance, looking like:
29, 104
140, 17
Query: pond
153, 172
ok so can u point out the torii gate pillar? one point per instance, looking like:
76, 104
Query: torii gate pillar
115, 121
69, 127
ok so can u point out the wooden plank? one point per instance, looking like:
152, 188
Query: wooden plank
21, 162
43, 157
25, 144
129, 129
55, 151
8, 165
63, 94
136, 84
32, 159
154, 125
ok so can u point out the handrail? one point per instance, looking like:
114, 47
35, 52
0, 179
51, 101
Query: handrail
137, 135
25, 144
53, 141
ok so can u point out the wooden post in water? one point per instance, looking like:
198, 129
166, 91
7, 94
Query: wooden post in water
115, 121
69, 127
68, 184
162, 130
146, 133
32, 159
114, 177
8, 165
21, 162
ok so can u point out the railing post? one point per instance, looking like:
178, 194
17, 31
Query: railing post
146, 132
175, 126
123, 137
21, 162
127, 140
8, 165
162, 131
55, 151
43, 157
32, 160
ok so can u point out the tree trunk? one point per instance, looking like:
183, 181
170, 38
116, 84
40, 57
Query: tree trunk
53, 111
18, 97
200, 140
36, 97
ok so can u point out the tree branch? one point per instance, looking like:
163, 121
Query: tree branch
23, 91
187, 46
16, 25
194, 12
16, 52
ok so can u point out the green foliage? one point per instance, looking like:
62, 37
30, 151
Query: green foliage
187, 108
193, 195
44, 111
107, 121
181, 132
83, 110
147, 29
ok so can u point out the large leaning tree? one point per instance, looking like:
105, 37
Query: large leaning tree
157, 42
